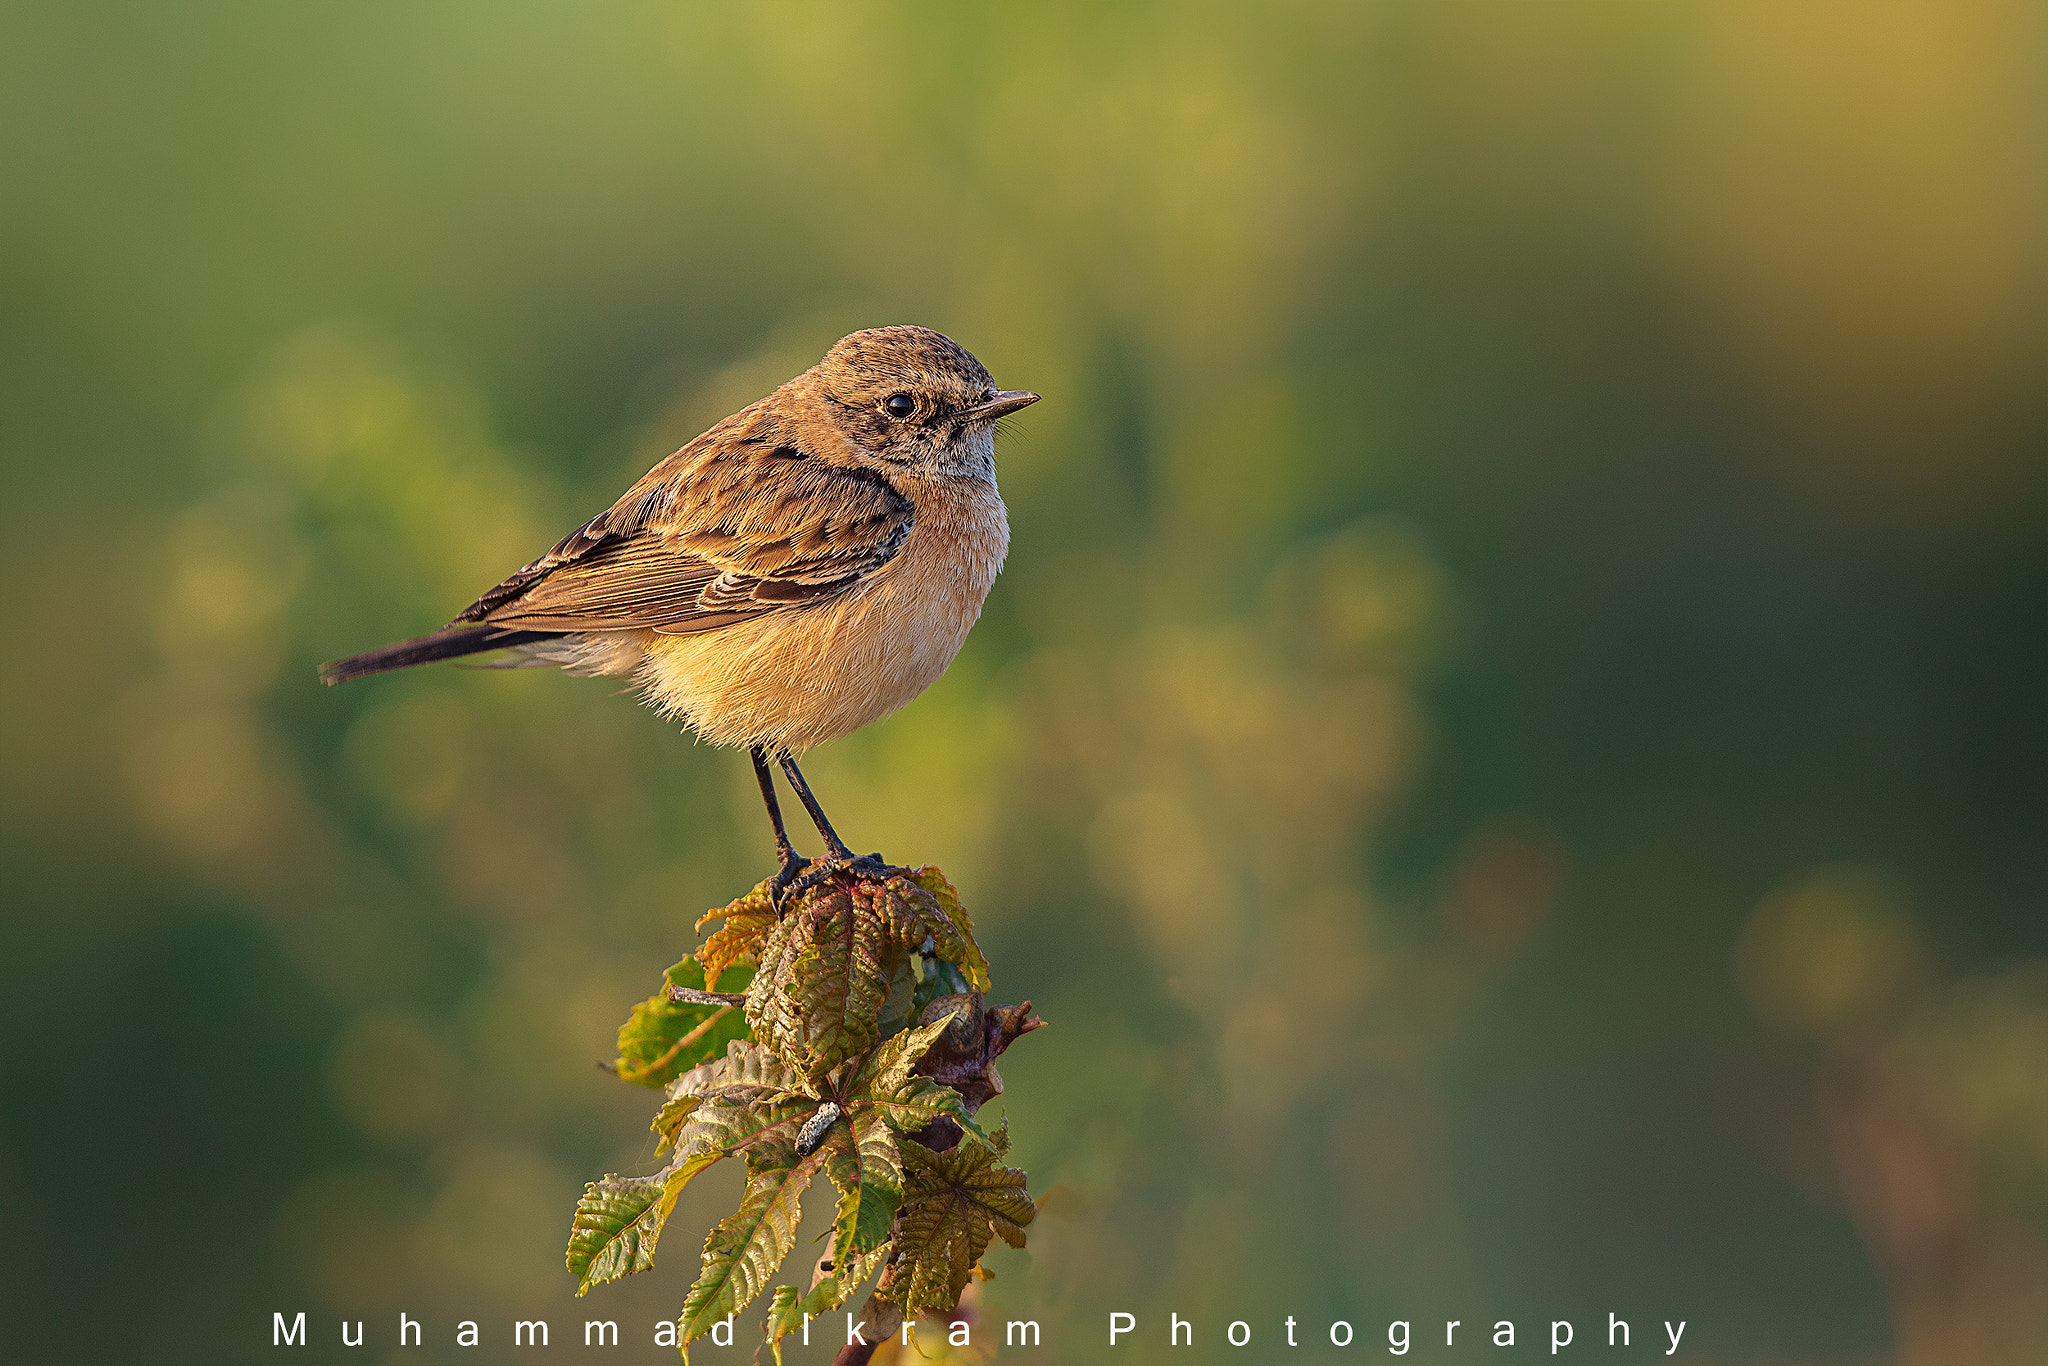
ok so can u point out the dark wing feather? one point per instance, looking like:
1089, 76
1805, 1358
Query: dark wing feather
720, 532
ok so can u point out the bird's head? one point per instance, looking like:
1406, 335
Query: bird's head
912, 397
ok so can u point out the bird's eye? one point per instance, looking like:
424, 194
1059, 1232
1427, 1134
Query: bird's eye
899, 405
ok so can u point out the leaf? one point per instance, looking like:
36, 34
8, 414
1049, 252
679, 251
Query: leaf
865, 1166
954, 1204
822, 979
741, 1104
814, 1056
886, 1083
747, 922
746, 1064
827, 968
785, 1314
828, 1292
745, 1249
922, 1100
740, 1120
753, 899
618, 1222
889, 1067
750, 1102
664, 1038
942, 892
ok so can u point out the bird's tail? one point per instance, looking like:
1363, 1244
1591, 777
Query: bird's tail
451, 643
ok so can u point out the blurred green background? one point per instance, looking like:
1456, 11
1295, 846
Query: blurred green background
1511, 747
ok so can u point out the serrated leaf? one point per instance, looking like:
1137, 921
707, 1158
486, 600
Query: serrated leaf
823, 976
745, 1065
755, 898
830, 966
885, 1086
747, 922
886, 1069
954, 1204
819, 979
867, 1170
971, 962
617, 1225
749, 1103
785, 1316
739, 1105
914, 916
886, 1083
735, 1124
922, 1100
744, 1251
665, 1038
786, 1313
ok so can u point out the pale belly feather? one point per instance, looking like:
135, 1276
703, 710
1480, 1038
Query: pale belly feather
798, 677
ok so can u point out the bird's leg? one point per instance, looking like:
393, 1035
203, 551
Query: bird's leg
837, 856
834, 846
792, 863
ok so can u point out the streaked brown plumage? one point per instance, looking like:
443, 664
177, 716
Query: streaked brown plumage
806, 566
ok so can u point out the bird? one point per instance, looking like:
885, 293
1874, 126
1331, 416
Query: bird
804, 567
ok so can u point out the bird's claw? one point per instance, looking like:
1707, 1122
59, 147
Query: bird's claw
779, 886
864, 867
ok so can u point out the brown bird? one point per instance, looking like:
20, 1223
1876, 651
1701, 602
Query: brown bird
806, 566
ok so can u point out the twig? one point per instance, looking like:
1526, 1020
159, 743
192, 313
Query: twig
857, 1353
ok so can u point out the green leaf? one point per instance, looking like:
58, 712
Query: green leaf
830, 965
864, 1165
954, 1204
728, 1125
743, 1103
618, 1222
745, 1249
889, 1067
665, 1038
785, 1316
922, 1100
833, 986
942, 892
750, 1102
886, 1083
786, 1313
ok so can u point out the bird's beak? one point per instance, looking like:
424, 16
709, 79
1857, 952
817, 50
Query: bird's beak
1005, 401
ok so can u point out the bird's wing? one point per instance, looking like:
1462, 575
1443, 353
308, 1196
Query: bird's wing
711, 536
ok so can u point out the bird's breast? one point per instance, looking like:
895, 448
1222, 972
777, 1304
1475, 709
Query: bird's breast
900, 629
800, 676
948, 563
